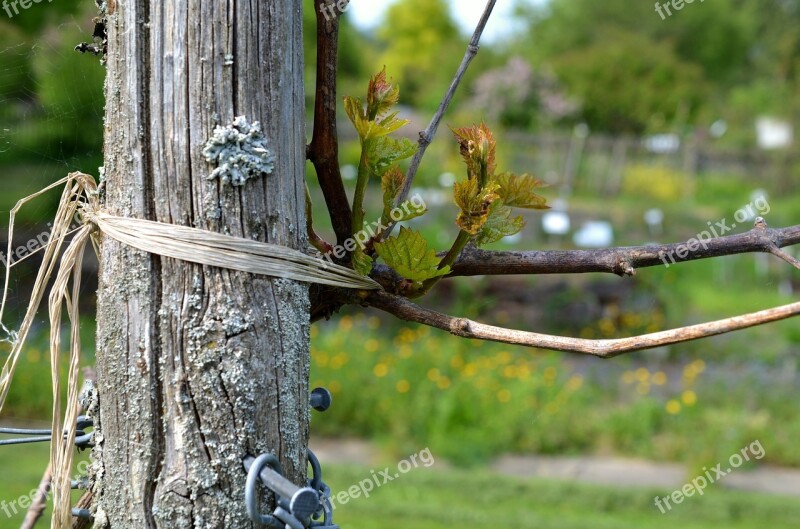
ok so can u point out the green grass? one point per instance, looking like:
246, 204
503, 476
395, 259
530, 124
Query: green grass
439, 499
22, 468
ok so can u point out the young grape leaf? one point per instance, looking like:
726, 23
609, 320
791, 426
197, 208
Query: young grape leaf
384, 152
517, 191
474, 204
391, 182
403, 213
408, 254
499, 224
368, 129
355, 111
381, 95
478, 148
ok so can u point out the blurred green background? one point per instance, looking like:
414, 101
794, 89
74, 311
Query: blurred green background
622, 113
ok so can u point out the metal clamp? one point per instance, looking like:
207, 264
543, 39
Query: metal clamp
306, 507
295, 504
325, 510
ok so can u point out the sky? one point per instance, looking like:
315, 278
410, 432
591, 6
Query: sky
368, 13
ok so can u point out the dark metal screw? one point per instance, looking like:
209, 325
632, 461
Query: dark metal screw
320, 399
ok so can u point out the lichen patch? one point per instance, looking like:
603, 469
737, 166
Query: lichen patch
240, 152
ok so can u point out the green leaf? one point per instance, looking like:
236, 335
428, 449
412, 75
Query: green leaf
518, 191
408, 254
385, 126
499, 224
474, 204
384, 152
403, 213
362, 263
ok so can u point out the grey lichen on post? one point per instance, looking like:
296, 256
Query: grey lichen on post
240, 152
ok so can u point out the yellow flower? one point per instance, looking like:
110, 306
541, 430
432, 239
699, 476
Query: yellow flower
503, 395
380, 370
407, 335
469, 370
371, 345
642, 374
338, 361
405, 351
509, 371
443, 383
574, 382
699, 366
673, 407
606, 326
691, 371
504, 357
660, 378
321, 359
334, 387
433, 374
689, 397
403, 386
550, 374
346, 323
456, 362
314, 331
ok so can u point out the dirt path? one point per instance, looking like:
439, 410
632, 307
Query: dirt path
611, 471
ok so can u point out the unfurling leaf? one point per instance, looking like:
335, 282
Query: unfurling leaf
499, 224
478, 150
384, 152
369, 129
474, 203
381, 95
362, 263
389, 124
518, 191
355, 111
391, 182
409, 255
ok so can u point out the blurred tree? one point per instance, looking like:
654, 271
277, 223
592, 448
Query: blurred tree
40, 15
51, 97
422, 48
695, 56
624, 92
16, 83
70, 86
714, 36
517, 96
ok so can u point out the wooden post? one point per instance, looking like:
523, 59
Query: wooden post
198, 366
